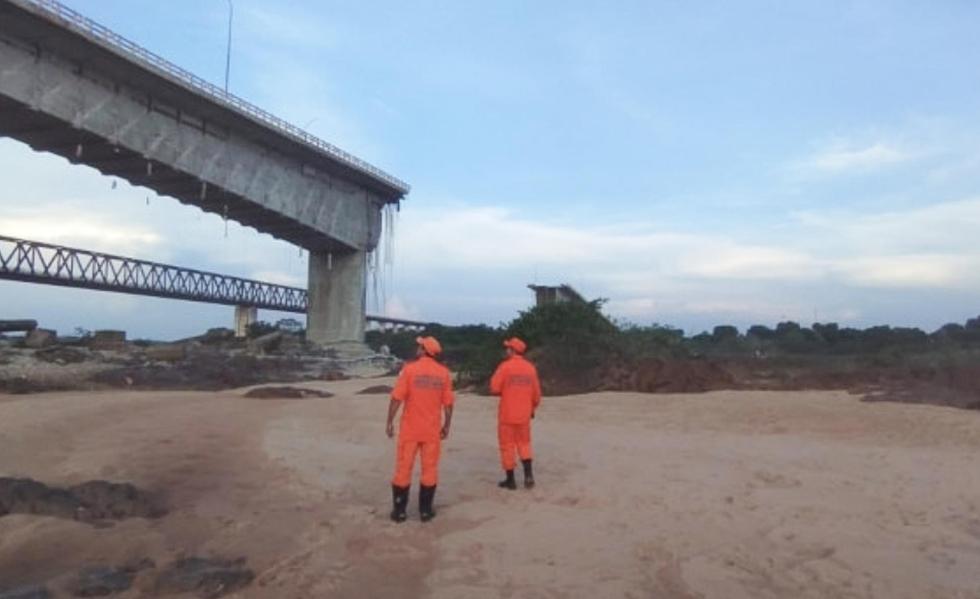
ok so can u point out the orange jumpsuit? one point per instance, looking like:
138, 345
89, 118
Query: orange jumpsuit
425, 387
516, 382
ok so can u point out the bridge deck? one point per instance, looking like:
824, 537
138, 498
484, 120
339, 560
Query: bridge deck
132, 52
72, 87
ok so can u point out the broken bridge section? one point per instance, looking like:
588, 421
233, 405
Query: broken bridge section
72, 87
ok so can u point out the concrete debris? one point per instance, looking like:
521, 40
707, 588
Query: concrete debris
39, 338
16, 326
210, 362
268, 342
166, 352
108, 340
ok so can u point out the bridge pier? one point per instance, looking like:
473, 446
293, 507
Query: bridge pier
244, 317
337, 293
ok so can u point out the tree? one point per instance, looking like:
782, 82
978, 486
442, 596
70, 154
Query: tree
829, 332
760, 332
724, 332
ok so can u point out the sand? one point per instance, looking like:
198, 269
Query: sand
725, 494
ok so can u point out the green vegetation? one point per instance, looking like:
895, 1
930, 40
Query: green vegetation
574, 341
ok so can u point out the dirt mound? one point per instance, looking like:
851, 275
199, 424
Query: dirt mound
24, 386
954, 386
92, 501
655, 375
680, 376
208, 578
376, 390
286, 393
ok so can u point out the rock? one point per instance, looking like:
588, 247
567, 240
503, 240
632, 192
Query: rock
102, 500
39, 338
268, 342
291, 343
62, 355
98, 581
333, 375
166, 352
92, 501
209, 578
376, 390
26, 592
26, 496
285, 393
109, 340
217, 336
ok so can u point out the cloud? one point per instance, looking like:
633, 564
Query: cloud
727, 260
89, 232
940, 227
650, 273
913, 270
843, 158
256, 25
960, 166
280, 278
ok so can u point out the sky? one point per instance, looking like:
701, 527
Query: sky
694, 163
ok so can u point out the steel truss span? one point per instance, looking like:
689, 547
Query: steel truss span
37, 262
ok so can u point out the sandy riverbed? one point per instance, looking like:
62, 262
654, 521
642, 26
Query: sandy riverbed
727, 494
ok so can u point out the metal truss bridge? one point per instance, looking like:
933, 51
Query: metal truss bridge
36, 262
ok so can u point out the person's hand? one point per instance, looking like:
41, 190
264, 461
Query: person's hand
390, 430
444, 432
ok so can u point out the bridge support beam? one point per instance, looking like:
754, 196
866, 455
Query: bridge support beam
244, 317
337, 293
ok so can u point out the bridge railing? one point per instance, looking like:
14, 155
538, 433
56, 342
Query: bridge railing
75, 21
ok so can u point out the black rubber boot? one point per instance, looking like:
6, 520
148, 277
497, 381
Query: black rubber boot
509, 482
399, 500
528, 474
426, 496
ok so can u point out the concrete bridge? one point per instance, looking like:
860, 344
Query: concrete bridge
74, 88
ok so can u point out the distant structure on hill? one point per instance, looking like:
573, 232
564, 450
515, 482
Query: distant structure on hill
553, 294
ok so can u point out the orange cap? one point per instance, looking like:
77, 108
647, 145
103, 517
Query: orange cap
430, 345
516, 344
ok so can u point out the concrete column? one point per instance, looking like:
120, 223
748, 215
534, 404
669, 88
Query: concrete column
245, 316
337, 297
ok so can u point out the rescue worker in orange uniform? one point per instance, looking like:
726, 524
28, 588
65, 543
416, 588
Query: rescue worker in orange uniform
425, 388
516, 382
